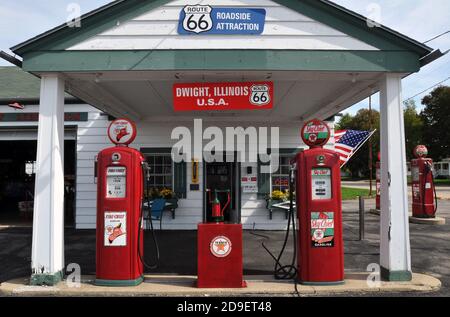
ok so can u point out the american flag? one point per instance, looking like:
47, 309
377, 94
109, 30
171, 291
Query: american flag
348, 142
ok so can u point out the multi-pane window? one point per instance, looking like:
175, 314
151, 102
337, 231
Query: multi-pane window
161, 171
445, 166
280, 179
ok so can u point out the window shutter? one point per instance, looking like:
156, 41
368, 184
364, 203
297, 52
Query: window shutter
263, 181
180, 176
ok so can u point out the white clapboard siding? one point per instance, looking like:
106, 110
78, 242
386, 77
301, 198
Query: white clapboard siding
284, 29
92, 139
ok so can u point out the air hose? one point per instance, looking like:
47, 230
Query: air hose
155, 241
289, 271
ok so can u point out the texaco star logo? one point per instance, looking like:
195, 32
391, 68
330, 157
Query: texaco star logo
220, 246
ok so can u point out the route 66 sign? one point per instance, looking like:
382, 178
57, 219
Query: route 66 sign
197, 19
260, 95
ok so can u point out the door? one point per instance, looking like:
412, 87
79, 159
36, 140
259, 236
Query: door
223, 176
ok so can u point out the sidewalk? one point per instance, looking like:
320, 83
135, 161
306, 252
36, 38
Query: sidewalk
172, 285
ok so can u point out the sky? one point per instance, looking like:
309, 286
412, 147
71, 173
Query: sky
418, 19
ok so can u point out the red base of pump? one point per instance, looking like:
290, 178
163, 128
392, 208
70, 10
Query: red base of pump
220, 262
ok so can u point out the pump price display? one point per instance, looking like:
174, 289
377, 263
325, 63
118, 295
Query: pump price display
321, 183
116, 182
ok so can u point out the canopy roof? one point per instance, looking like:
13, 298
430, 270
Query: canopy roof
321, 57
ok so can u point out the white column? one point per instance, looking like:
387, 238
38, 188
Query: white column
48, 223
395, 253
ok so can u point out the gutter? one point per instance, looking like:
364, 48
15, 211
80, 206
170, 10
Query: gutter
11, 59
432, 57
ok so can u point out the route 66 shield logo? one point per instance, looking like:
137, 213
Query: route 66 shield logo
197, 19
260, 95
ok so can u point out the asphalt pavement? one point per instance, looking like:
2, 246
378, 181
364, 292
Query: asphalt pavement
430, 249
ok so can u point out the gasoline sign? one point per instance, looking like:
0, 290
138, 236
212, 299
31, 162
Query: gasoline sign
315, 133
220, 246
122, 131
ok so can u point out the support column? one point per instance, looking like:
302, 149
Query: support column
47, 258
395, 253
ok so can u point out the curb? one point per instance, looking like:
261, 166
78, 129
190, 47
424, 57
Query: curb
180, 286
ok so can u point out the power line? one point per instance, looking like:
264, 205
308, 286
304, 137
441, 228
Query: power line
439, 83
437, 36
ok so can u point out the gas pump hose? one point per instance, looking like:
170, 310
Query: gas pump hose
155, 241
289, 271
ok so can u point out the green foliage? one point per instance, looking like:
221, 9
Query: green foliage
436, 118
413, 128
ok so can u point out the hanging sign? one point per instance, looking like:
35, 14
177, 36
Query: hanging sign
207, 20
249, 184
223, 96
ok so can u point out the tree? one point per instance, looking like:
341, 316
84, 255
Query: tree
413, 128
436, 119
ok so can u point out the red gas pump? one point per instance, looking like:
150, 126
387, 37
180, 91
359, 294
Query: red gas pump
219, 247
378, 183
423, 190
119, 203
319, 209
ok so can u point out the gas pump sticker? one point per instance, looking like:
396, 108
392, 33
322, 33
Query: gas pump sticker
116, 182
322, 229
321, 183
115, 229
220, 246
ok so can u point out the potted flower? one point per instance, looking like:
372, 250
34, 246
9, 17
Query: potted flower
171, 199
276, 197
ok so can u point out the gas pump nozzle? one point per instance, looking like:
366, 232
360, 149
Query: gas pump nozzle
146, 169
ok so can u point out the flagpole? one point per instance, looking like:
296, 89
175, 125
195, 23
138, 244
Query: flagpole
359, 146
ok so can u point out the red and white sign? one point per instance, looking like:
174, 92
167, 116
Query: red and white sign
223, 96
122, 131
220, 246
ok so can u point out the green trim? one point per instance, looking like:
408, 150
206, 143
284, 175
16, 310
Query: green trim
46, 279
322, 283
395, 276
118, 283
106, 17
283, 60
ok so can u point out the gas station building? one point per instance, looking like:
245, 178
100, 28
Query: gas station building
125, 59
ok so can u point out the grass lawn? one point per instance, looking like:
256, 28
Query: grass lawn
442, 182
353, 193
